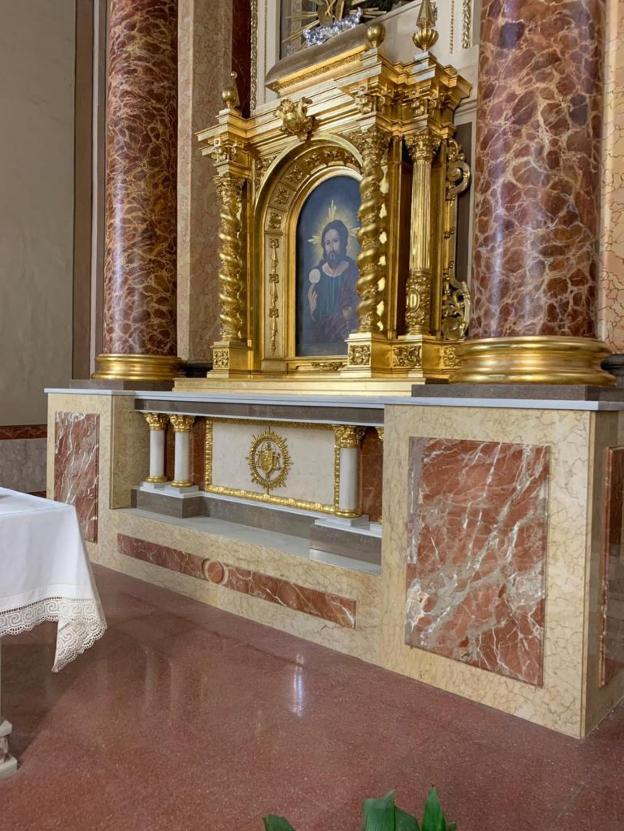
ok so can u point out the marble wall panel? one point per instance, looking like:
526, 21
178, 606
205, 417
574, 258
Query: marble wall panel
23, 431
371, 474
204, 63
326, 605
559, 702
76, 467
198, 452
610, 284
23, 464
476, 553
612, 640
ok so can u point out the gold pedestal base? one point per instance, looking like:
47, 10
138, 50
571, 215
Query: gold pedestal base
229, 359
532, 360
137, 367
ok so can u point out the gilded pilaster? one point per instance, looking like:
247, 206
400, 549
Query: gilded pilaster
422, 147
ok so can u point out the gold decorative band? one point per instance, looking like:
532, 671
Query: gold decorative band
532, 359
137, 367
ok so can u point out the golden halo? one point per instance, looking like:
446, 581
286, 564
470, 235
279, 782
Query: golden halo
334, 213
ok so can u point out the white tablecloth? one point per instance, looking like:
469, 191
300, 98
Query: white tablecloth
45, 574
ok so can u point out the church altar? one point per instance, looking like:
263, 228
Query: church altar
46, 576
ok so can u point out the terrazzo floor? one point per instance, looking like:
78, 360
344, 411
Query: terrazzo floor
186, 717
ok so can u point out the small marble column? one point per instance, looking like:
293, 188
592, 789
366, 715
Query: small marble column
537, 194
182, 425
157, 424
140, 214
346, 470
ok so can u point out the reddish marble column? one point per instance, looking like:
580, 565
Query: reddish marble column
537, 192
140, 256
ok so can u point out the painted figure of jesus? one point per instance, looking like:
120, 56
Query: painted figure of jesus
332, 298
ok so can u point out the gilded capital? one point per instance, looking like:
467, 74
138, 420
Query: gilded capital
380, 433
156, 421
422, 146
182, 423
347, 435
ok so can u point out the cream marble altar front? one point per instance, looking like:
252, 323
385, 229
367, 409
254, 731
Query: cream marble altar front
568, 697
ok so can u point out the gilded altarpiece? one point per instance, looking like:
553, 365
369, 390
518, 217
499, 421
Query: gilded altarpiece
379, 296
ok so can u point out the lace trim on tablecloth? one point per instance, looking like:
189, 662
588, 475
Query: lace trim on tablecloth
80, 624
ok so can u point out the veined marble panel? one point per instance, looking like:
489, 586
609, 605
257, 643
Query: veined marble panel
612, 641
76, 467
326, 605
161, 555
610, 288
476, 552
311, 450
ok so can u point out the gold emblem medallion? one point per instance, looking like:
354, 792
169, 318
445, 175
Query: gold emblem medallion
269, 460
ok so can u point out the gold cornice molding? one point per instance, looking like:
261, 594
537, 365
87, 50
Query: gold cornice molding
532, 359
135, 367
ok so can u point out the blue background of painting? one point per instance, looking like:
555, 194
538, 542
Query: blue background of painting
345, 192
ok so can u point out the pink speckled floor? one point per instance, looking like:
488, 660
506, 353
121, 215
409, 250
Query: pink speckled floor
184, 717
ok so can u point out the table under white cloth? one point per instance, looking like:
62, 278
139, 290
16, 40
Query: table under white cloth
45, 574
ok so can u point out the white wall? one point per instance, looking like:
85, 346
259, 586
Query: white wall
36, 203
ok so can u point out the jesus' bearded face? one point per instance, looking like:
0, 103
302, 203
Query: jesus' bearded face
333, 247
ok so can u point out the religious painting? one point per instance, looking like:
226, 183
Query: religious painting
326, 268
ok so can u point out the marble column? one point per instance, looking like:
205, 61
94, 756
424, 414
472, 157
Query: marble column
157, 423
537, 194
347, 448
182, 425
140, 244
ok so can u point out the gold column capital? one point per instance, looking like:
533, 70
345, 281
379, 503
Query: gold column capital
346, 435
422, 145
182, 423
380, 433
156, 421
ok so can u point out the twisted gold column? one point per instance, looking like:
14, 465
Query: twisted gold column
372, 144
230, 253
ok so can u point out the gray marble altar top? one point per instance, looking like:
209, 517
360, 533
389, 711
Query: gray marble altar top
327, 403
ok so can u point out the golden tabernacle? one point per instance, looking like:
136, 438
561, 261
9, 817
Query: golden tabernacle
338, 225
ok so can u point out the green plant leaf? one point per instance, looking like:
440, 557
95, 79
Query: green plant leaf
404, 822
433, 818
273, 823
379, 813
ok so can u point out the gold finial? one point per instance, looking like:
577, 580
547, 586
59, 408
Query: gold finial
230, 94
375, 35
426, 35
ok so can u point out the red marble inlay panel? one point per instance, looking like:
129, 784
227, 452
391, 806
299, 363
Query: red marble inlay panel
23, 431
198, 451
141, 142
537, 184
476, 552
371, 474
325, 605
612, 640
161, 555
76, 467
